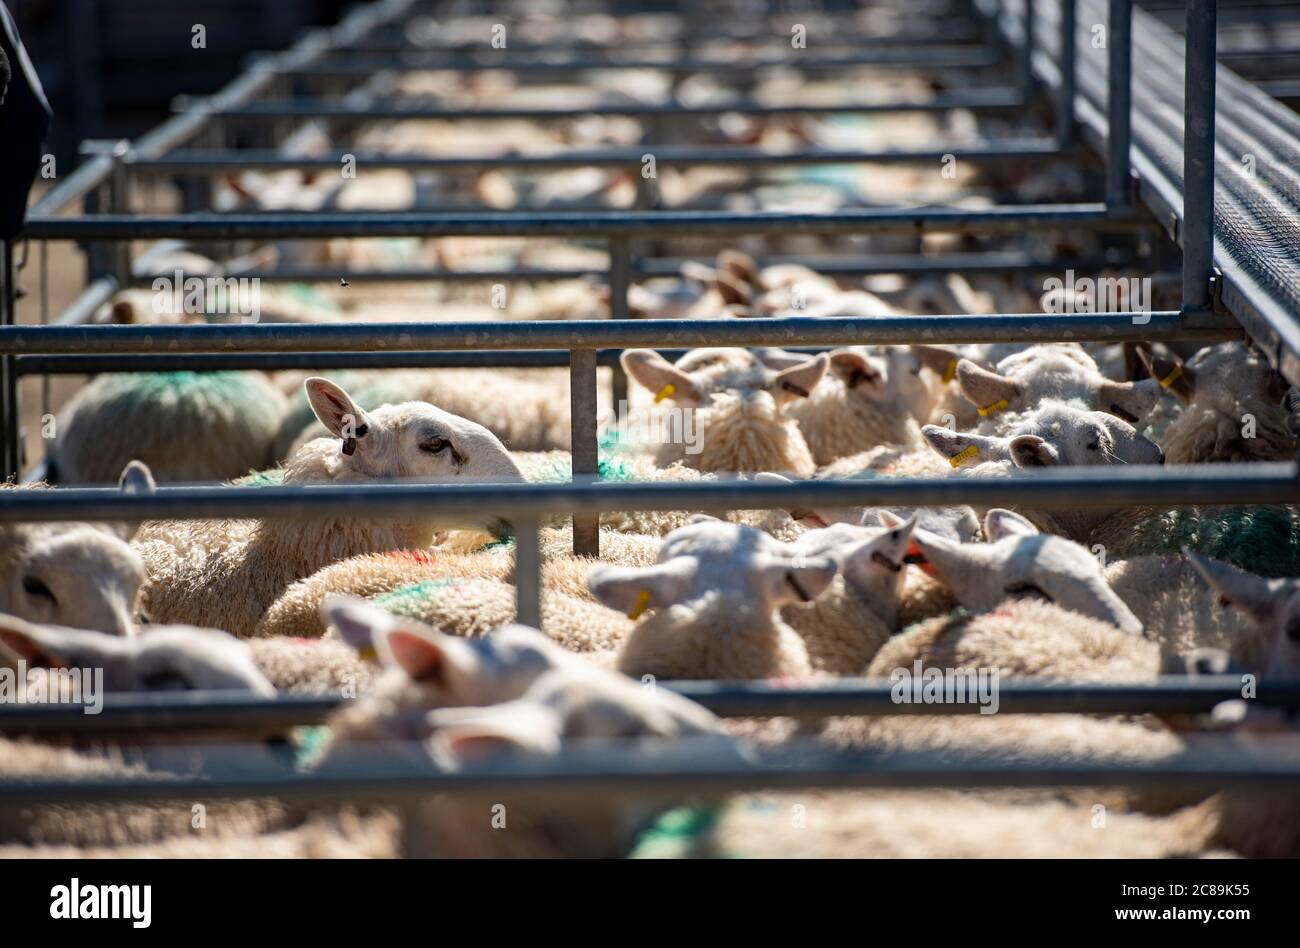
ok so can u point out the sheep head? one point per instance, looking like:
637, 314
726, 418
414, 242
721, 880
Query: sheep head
870, 559
1025, 378
1019, 562
1055, 434
411, 440
80, 575
160, 658
1273, 603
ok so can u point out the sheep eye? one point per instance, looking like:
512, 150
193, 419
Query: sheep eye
1026, 591
1094, 446
436, 446
34, 587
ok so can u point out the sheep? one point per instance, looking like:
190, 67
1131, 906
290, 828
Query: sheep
158, 657
81, 575
737, 407
527, 409
1018, 561
872, 398
309, 666
715, 593
845, 626
1273, 606
1233, 406
187, 426
226, 574
1022, 380
510, 691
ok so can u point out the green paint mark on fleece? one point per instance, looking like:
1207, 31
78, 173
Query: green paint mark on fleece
169, 386
406, 600
677, 833
1261, 540
272, 478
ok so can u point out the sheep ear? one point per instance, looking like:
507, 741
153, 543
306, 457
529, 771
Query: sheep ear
1252, 594
471, 735
798, 381
740, 265
1031, 451
983, 388
857, 372
358, 622
655, 373
136, 479
1170, 373
775, 358
955, 564
337, 411
633, 590
1131, 401
1000, 523
941, 360
29, 643
961, 446
124, 312
889, 519
733, 290
697, 272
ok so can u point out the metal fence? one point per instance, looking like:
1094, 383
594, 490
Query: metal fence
369, 40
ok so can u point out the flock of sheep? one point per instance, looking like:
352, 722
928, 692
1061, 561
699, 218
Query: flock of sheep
415, 616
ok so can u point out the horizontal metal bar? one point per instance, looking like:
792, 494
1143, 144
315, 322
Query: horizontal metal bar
992, 98
312, 225
197, 162
990, 262
609, 333
235, 711
1132, 485
653, 768
952, 56
89, 175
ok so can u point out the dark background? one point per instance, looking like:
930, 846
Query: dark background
112, 67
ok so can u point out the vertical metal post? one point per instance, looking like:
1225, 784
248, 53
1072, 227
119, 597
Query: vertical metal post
1198, 154
1027, 52
1065, 92
1119, 102
582, 420
528, 573
620, 276
11, 449
119, 202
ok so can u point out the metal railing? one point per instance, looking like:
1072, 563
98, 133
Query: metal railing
584, 345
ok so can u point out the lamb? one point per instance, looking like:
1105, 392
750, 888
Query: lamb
1024, 379
187, 426
874, 397
715, 593
80, 575
160, 657
1233, 406
845, 627
226, 574
527, 409
737, 406
1018, 561
1274, 607
509, 691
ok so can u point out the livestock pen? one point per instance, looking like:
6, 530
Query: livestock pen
1163, 190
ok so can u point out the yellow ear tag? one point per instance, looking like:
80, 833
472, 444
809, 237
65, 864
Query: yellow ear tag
993, 409
665, 392
642, 602
965, 454
368, 654
950, 371
1174, 375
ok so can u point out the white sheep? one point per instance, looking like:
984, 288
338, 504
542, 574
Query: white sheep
1020, 562
81, 575
715, 596
225, 574
735, 404
1232, 410
187, 426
